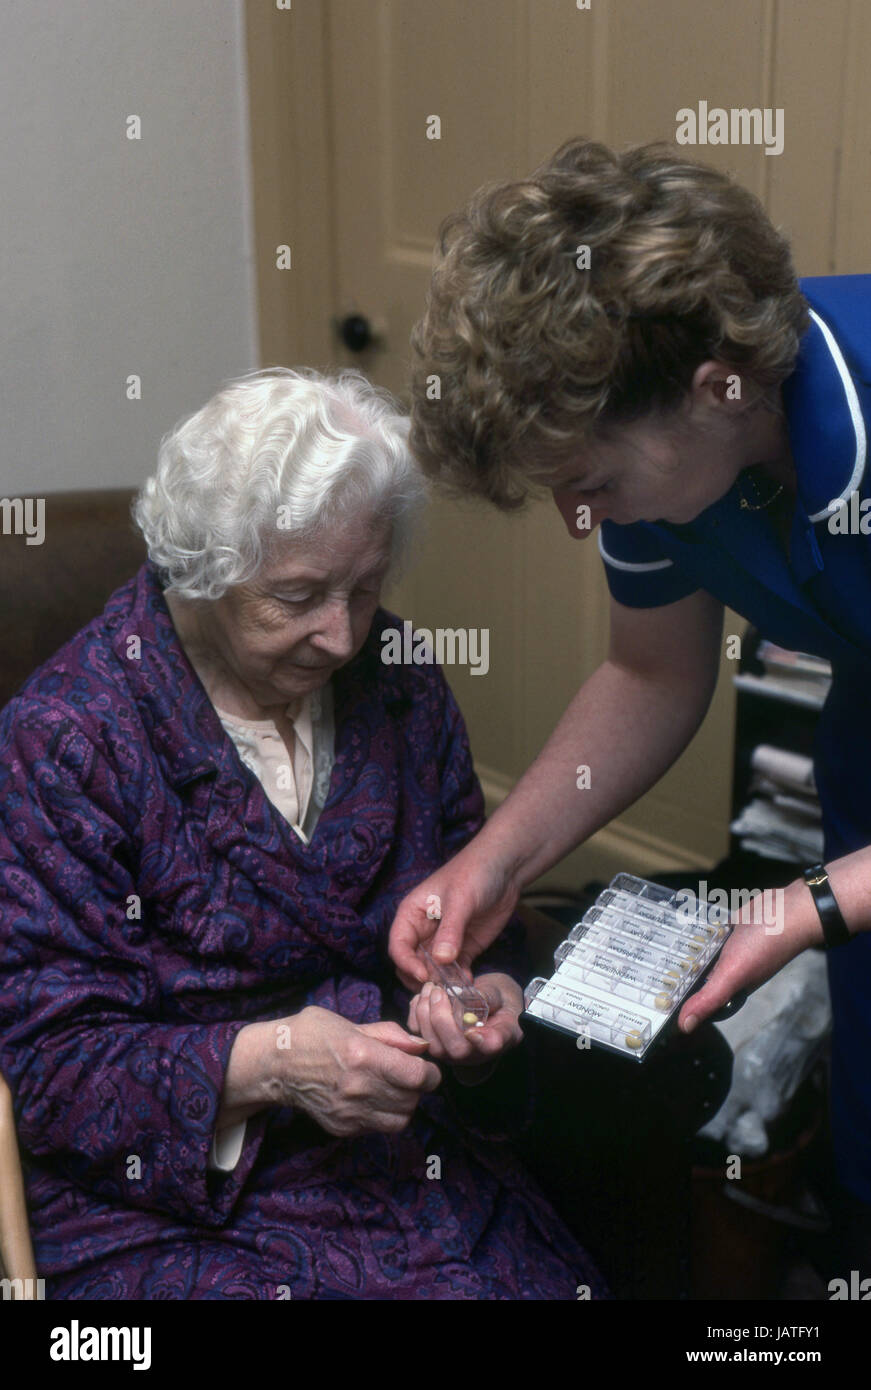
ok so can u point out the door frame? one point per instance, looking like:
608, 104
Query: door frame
290, 135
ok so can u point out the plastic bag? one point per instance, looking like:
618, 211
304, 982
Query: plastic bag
775, 1039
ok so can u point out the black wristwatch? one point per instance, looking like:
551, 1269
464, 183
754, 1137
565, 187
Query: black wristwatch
834, 927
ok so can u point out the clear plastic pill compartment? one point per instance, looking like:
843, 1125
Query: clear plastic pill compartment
627, 966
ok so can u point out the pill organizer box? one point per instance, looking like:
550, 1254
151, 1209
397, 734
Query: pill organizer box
625, 969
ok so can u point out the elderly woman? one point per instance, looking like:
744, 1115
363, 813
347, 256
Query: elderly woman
213, 799
627, 330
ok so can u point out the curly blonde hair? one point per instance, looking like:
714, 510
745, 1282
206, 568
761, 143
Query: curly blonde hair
533, 355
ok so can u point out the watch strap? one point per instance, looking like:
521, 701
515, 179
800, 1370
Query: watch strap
835, 931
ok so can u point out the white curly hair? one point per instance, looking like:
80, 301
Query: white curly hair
276, 455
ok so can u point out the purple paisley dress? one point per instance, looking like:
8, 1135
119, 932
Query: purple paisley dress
153, 902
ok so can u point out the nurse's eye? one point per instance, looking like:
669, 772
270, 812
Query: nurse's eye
581, 489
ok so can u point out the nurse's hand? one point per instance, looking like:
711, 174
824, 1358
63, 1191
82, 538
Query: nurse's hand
755, 951
473, 1051
456, 913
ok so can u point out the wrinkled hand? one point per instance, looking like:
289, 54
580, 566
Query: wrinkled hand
753, 954
472, 896
356, 1078
431, 1014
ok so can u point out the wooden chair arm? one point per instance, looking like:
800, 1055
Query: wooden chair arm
16, 1249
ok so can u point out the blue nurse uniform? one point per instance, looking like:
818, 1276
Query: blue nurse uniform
817, 600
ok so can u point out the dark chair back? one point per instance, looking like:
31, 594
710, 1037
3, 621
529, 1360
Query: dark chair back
49, 592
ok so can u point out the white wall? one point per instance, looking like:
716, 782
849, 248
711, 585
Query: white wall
118, 256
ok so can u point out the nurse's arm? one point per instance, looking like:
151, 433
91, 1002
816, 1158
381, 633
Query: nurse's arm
757, 949
628, 723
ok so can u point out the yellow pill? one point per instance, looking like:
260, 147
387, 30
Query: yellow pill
470, 1018
663, 1001
634, 1039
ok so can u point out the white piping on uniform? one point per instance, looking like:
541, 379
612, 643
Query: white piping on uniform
855, 416
625, 565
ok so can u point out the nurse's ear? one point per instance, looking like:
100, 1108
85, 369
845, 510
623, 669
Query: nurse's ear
716, 384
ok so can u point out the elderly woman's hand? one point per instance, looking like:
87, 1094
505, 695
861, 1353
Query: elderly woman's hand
352, 1078
473, 1051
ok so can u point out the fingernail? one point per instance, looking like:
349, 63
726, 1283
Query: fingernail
690, 1023
442, 952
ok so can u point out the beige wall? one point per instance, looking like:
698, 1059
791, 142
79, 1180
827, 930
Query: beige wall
343, 172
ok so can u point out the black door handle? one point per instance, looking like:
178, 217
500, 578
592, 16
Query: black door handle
355, 331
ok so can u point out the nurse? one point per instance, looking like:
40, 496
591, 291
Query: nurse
627, 330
